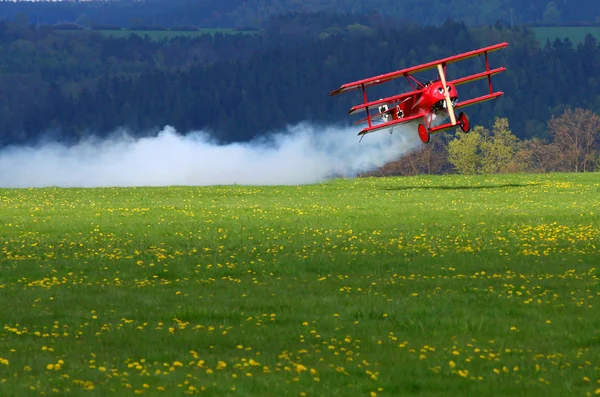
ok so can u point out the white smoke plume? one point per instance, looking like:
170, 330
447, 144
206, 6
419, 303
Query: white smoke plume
302, 154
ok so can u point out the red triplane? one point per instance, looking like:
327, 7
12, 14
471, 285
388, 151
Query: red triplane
428, 101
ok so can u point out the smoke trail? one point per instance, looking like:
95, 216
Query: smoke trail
303, 154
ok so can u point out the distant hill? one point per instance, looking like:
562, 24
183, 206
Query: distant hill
68, 84
245, 13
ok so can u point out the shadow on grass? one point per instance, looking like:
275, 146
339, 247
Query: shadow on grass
459, 187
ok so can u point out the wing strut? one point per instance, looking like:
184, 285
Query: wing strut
365, 101
487, 69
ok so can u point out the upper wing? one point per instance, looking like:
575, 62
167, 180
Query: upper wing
399, 73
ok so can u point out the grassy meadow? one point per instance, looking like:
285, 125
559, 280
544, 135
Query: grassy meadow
575, 33
429, 286
156, 35
169, 34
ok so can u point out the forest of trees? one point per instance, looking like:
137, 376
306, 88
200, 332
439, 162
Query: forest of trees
70, 84
240, 13
573, 145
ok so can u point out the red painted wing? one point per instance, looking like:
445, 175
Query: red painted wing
388, 100
483, 98
420, 68
477, 76
364, 120
389, 124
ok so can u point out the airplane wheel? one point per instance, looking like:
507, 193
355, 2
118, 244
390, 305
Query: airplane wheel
463, 120
424, 133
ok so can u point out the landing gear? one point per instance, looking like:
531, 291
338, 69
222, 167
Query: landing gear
463, 121
424, 133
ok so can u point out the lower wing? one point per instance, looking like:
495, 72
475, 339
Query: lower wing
389, 124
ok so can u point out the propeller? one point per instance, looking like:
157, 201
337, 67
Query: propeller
447, 95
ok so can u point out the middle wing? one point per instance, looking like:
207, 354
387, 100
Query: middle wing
477, 76
389, 100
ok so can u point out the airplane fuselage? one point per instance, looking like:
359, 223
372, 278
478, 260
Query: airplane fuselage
430, 102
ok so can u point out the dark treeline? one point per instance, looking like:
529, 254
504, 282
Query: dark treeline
72, 84
239, 13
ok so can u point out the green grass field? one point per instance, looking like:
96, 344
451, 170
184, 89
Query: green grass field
574, 33
158, 34
168, 34
429, 286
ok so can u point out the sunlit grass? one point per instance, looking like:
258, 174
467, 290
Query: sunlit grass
370, 287
157, 35
169, 34
575, 33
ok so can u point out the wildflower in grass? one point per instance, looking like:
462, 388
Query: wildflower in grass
243, 265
